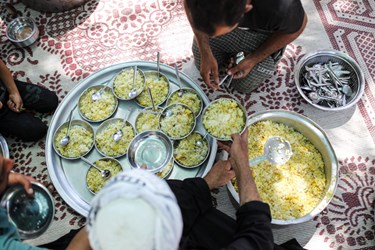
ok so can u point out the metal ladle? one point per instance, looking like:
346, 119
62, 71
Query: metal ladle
104, 173
152, 99
133, 92
180, 91
277, 151
65, 140
118, 134
158, 64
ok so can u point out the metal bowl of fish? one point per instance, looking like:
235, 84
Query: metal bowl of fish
329, 80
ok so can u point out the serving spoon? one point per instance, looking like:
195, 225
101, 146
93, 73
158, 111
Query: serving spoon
65, 140
277, 151
158, 64
133, 92
98, 94
180, 91
104, 173
152, 99
118, 134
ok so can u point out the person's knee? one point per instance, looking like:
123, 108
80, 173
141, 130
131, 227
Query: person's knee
52, 102
33, 130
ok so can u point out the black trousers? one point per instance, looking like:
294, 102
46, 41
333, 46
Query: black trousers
25, 125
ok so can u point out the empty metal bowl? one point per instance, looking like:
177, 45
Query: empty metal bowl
319, 139
99, 110
31, 214
150, 150
81, 141
22, 31
108, 146
314, 90
222, 119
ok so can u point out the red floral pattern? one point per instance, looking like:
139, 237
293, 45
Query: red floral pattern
76, 43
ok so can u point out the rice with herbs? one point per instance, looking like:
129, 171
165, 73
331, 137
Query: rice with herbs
146, 120
180, 123
94, 179
107, 145
292, 189
188, 153
190, 98
80, 142
123, 83
159, 90
100, 109
224, 118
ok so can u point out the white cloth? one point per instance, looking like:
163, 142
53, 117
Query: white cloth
135, 210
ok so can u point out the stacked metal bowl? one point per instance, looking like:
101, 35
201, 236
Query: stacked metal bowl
329, 80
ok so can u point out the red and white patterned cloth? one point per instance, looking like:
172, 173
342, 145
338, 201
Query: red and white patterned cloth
77, 43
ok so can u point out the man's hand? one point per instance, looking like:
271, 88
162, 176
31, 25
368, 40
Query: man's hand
25, 181
242, 69
238, 149
220, 174
15, 102
210, 70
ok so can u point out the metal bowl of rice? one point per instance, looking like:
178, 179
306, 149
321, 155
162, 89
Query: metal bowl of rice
151, 150
104, 141
94, 180
301, 188
148, 119
165, 172
190, 98
159, 87
224, 117
97, 110
81, 141
123, 83
188, 153
177, 121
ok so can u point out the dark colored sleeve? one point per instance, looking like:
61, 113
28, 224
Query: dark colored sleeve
194, 198
290, 17
253, 227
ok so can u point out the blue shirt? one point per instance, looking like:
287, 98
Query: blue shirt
9, 237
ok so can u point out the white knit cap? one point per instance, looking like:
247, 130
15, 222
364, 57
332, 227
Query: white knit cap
135, 210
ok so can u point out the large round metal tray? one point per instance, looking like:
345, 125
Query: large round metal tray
68, 176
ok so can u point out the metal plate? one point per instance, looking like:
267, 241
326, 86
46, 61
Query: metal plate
68, 176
